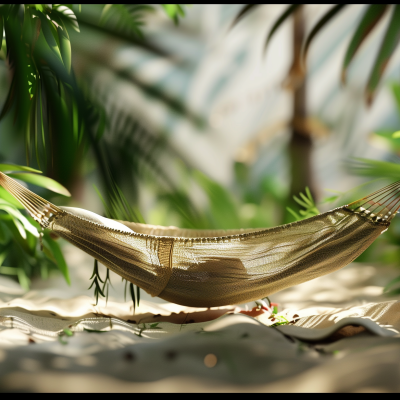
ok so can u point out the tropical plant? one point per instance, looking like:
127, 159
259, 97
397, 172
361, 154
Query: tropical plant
301, 142
72, 126
25, 250
367, 23
51, 109
387, 249
60, 123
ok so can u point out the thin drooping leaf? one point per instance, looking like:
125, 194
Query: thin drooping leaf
20, 228
35, 120
28, 142
4, 238
393, 292
8, 270
9, 100
387, 138
95, 273
330, 199
104, 13
125, 287
319, 25
3, 255
18, 99
1, 30
368, 22
42, 121
294, 214
42, 181
106, 284
14, 167
96, 278
396, 94
389, 44
65, 47
21, 244
306, 199
287, 13
58, 256
133, 296
244, 11
391, 283
23, 279
118, 206
50, 34
300, 202
17, 215
366, 167
309, 195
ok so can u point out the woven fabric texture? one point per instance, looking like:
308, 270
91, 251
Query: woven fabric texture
217, 268
232, 269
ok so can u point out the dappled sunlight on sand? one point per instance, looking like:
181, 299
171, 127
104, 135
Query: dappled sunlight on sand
341, 329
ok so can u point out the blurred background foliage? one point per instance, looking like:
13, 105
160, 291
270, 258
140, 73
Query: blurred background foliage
168, 114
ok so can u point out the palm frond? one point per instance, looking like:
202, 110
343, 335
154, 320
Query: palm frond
125, 18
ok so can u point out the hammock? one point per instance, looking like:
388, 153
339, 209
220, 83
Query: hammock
209, 268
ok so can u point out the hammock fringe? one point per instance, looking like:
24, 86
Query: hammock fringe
381, 205
40, 209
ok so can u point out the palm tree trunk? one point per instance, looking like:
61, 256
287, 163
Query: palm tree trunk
300, 146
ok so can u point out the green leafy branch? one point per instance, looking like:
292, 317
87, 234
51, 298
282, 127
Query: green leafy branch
307, 202
39, 51
21, 238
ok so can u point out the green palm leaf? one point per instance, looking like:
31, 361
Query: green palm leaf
368, 22
286, 14
244, 11
319, 25
389, 44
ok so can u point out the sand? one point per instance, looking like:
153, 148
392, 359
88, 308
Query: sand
343, 335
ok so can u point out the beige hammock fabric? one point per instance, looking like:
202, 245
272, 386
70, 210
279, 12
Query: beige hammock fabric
216, 268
